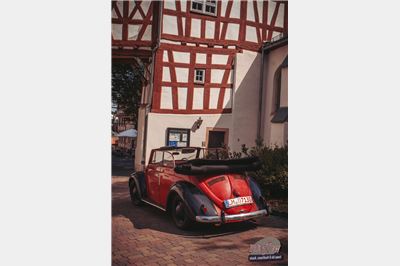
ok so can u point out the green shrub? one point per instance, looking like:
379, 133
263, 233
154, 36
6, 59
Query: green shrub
273, 175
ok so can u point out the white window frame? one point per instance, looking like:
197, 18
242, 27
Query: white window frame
204, 75
204, 4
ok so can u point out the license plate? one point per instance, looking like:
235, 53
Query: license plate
238, 201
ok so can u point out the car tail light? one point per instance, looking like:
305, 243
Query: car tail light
203, 209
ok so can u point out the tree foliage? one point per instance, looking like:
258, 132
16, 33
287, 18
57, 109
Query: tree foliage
126, 89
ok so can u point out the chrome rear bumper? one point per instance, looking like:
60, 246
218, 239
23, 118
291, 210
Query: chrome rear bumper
232, 217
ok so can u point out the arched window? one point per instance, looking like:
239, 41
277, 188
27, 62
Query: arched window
276, 98
280, 112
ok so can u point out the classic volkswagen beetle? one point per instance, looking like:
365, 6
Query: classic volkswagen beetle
191, 188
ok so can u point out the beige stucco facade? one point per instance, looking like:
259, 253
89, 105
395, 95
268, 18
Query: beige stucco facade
245, 99
274, 133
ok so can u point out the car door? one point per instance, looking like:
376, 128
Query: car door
153, 177
166, 177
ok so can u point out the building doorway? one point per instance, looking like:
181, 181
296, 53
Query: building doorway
217, 137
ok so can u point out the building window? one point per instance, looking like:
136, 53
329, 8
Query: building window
199, 75
207, 7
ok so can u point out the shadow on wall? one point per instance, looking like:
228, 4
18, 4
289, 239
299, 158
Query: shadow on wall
244, 101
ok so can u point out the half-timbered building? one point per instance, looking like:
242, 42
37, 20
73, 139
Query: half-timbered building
203, 68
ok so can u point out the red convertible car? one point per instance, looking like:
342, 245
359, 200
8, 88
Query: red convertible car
192, 189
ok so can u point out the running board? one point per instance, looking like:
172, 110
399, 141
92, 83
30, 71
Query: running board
152, 204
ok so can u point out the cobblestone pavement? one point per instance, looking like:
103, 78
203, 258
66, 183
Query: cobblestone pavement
147, 236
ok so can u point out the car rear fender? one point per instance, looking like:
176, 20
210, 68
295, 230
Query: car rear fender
257, 194
193, 198
140, 181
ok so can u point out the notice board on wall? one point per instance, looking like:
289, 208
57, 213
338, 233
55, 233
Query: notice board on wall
178, 137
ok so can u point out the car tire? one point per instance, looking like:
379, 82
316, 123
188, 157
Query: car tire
134, 193
180, 214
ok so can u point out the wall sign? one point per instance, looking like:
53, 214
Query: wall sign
178, 137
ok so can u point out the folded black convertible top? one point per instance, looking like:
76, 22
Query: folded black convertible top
214, 167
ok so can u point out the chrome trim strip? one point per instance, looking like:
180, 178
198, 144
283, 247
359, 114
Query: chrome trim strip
152, 204
232, 217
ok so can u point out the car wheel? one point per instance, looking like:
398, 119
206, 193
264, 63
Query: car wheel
180, 214
134, 192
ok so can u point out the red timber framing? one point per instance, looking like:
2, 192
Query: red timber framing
237, 26
191, 65
132, 30
264, 28
130, 23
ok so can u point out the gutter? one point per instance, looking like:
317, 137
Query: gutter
260, 96
265, 49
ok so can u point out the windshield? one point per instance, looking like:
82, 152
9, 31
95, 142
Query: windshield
187, 154
181, 155
200, 153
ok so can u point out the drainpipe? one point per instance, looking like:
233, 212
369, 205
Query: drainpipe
260, 94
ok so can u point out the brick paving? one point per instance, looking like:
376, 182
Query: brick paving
147, 236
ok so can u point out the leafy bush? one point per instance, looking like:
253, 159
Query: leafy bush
273, 175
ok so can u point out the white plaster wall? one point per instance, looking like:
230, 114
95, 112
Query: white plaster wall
232, 31
279, 19
133, 31
158, 124
271, 9
219, 59
145, 6
147, 34
210, 29
245, 99
277, 134
214, 94
166, 98
183, 5
169, 5
165, 56
166, 75
117, 31
250, 11
223, 7
182, 97
196, 28
235, 12
198, 94
230, 78
184, 25
260, 10
251, 34
217, 75
201, 58
114, 14
168, 41
227, 98
139, 139
181, 57
170, 24
181, 74
275, 33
